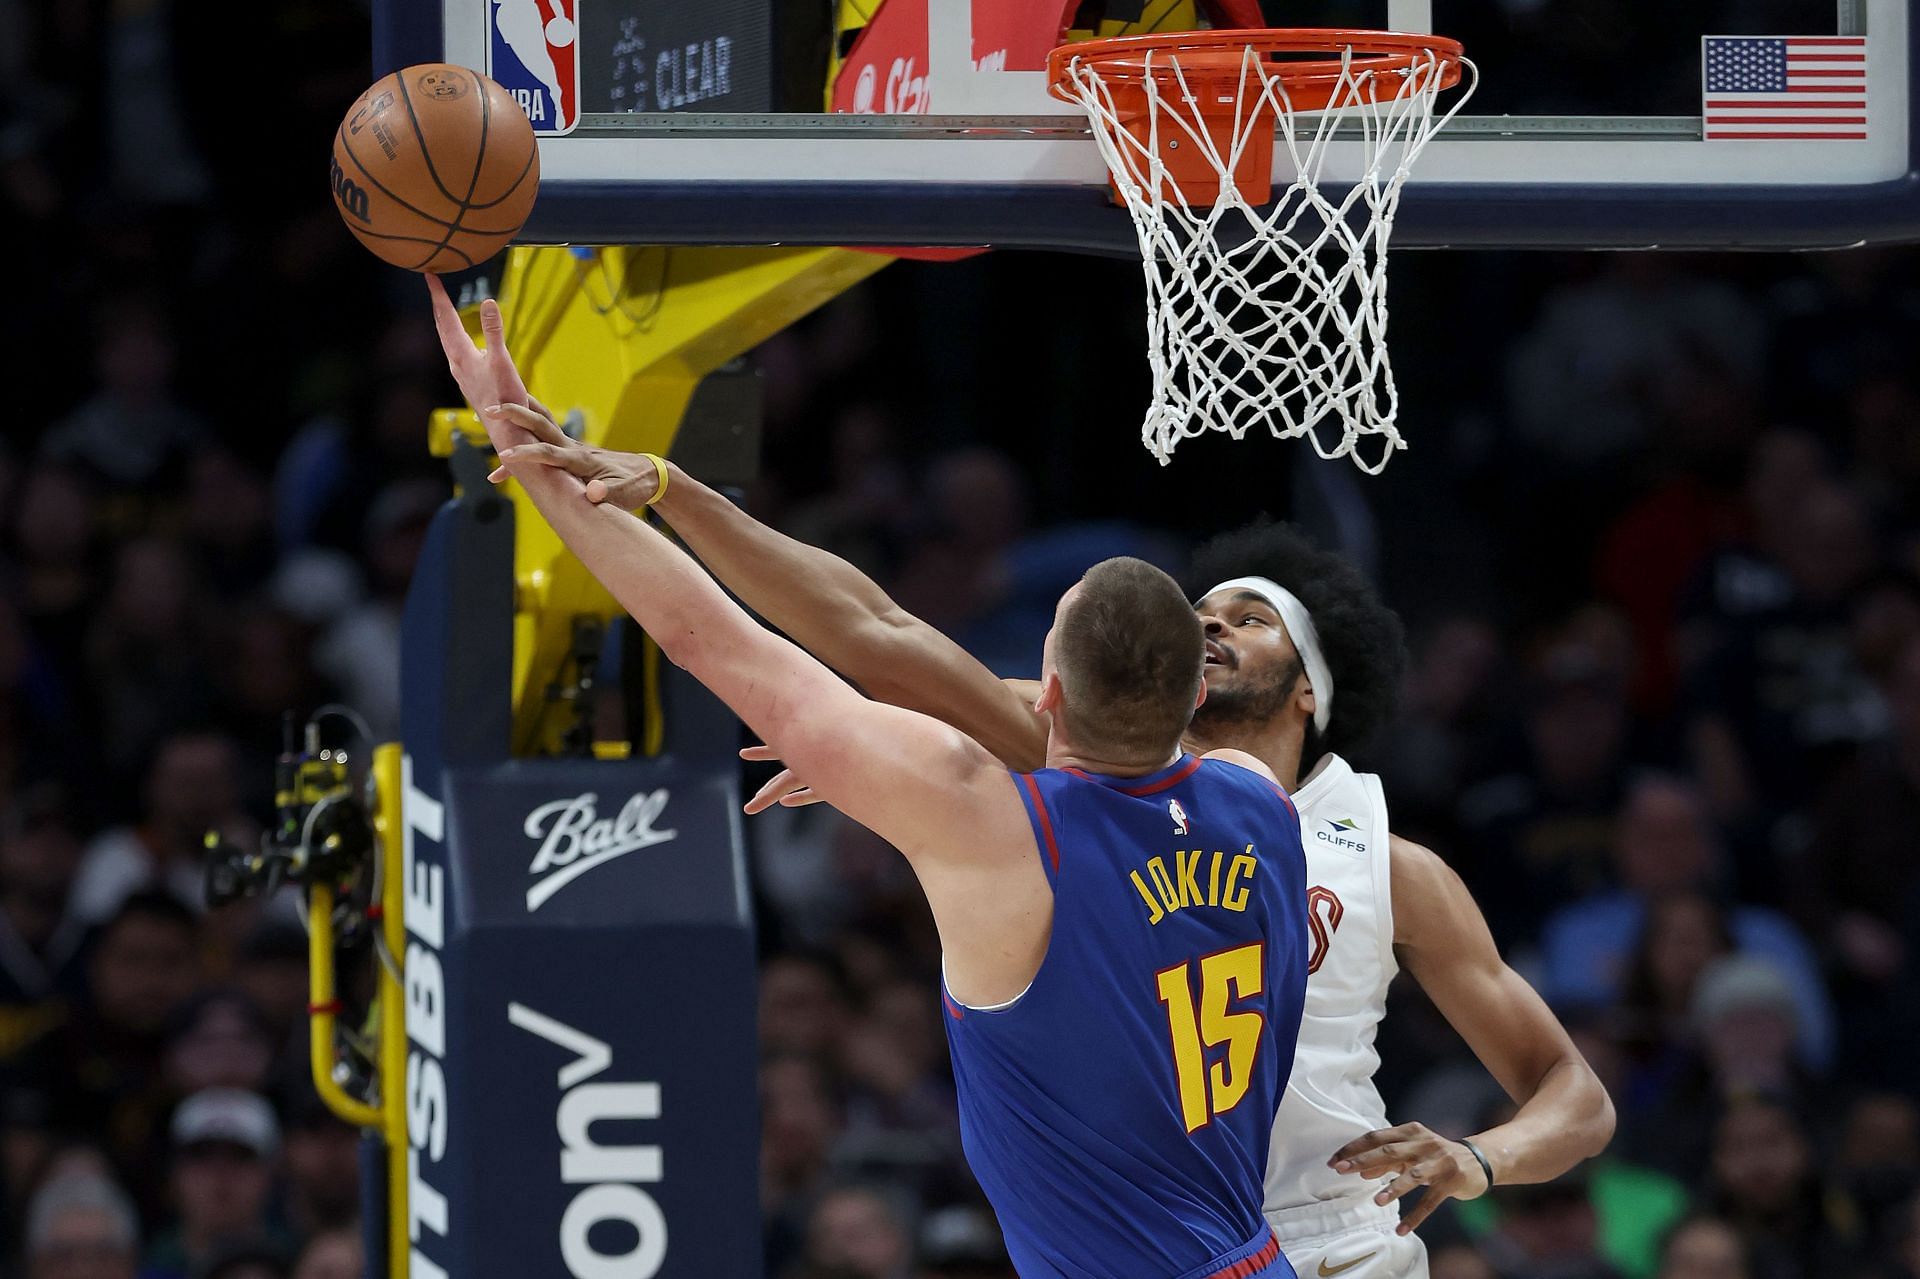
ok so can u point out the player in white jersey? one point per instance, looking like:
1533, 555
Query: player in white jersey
1302, 658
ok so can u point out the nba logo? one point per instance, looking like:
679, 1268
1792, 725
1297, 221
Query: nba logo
1179, 816
533, 50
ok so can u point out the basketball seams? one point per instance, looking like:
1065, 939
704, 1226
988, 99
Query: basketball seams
347, 147
420, 136
479, 159
408, 239
525, 169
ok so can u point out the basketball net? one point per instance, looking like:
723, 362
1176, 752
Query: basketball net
1272, 314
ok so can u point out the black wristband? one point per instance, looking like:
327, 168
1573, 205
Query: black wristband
1481, 1159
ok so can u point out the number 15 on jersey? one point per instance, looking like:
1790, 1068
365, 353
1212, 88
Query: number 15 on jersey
1213, 1089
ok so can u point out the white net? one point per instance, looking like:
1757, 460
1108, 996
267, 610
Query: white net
1276, 314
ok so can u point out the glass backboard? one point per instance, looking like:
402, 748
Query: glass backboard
1605, 123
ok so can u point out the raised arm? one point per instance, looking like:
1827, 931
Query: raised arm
923, 786
1564, 1113
828, 606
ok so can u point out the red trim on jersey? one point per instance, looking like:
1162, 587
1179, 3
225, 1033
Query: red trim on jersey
1251, 1265
1046, 821
1171, 779
953, 1009
1284, 797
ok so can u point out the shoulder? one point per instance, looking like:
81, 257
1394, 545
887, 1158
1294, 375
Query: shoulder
1430, 902
1241, 759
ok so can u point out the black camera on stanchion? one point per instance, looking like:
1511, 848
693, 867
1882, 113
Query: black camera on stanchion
322, 831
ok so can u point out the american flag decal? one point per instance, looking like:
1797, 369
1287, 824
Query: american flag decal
1796, 87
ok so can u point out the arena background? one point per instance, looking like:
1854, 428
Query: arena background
1655, 544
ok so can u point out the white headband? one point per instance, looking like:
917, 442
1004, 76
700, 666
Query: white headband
1300, 628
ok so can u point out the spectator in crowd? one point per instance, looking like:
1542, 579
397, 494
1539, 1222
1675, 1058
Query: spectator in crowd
1765, 1182
247, 1260
860, 1232
1781, 699
1705, 1248
81, 1226
132, 433
962, 1242
218, 1039
40, 938
1548, 1231
1664, 844
224, 1143
270, 966
1738, 1039
1459, 1261
1877, 1165
800, 1122
146, 656
332, 1254
1858, 883
102, 1067
803, 1004
1539, 836
322, 1164
191, 788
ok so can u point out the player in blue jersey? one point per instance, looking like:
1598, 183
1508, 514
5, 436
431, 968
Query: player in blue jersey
1123, 930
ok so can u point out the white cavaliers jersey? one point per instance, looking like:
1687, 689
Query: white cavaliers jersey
1330, 1098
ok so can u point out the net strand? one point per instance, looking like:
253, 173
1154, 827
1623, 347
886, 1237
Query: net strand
1274, 314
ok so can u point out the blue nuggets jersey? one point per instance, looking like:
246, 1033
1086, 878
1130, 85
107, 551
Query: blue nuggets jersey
1118, 1113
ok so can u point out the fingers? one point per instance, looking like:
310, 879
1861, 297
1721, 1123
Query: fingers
506, 377
446, 321
1410, 1220
775, 791
541, 423
1392, 1157
1405, 1184
1375, 1139
538, 454
759, 751
521, 416
596, 491
498, 475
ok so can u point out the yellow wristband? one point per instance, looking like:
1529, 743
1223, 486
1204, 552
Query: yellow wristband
660, 475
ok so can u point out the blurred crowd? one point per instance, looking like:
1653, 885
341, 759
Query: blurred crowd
1655, 541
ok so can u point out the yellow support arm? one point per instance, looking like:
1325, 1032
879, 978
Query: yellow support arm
615, 340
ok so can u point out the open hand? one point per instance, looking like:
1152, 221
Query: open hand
786, 789
486, 377
1417, 1156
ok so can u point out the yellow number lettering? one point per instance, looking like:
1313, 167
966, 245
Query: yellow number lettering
1189, 1063
1233, 974
1243, 970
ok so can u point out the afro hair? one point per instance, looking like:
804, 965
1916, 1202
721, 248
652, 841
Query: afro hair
1362, 639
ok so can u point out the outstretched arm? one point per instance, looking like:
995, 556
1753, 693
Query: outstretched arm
1564, 1113
828, 606
925, 787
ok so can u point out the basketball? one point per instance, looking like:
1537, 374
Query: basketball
435, 168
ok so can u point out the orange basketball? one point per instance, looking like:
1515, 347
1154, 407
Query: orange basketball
435, 168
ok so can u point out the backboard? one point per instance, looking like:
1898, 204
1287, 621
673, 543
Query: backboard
1597, 123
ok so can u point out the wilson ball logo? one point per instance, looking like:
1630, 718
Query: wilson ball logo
347, 192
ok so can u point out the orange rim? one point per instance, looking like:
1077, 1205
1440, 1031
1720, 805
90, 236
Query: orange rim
1216, 60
